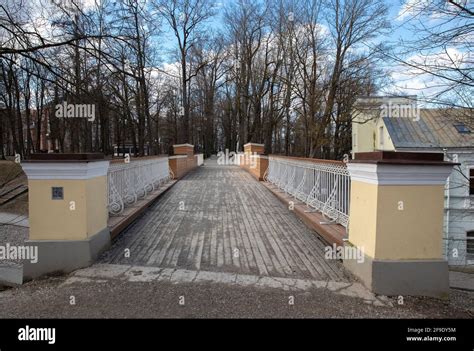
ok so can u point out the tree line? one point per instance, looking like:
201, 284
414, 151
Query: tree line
159, 72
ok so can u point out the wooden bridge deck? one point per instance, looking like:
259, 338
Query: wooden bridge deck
219, 218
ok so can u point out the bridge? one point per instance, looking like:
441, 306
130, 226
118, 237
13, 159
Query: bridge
246, 214
220, 218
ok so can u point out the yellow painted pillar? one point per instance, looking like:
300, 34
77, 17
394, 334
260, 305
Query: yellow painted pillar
396, 219
67, 211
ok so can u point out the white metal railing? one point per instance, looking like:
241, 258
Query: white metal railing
323, 186
129, 182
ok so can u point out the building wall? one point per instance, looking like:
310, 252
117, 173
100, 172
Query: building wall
366, 136
459, 209
367, 121
387, 140
363, 137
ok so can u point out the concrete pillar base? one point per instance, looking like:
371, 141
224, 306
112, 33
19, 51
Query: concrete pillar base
64, 256
403, 277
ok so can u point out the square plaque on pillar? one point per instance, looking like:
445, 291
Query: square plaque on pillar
57, 193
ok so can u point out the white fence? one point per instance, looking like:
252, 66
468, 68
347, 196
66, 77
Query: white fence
129, 182
323, 186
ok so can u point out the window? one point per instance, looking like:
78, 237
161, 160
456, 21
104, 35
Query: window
354, 140
471, 181
470, 244
381, 141
462, 128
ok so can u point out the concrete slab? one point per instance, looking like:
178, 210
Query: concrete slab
180, 276
142, 274
461, 280
103, 271
14, 219
215, 277
183, 275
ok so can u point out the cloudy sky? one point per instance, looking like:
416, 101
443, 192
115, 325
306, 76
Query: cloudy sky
407, 81
402, 15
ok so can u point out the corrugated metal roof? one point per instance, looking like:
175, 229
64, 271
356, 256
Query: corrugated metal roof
435, 128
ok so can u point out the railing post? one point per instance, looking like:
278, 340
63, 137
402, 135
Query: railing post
253, 161
396, 219
251, 148
180, 165
67, 211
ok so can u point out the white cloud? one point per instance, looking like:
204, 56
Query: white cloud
411, 8
414, 80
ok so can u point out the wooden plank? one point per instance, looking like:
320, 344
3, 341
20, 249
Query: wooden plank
226, 209
119, 226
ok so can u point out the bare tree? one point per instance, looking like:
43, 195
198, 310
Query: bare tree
186, 18
441, 49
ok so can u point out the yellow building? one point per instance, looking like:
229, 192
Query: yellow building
369, 132
398, 124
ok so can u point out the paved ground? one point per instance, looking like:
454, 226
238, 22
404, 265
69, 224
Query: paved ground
219, 218
12, 235
80, 297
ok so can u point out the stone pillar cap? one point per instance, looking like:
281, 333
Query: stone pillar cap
254, 144
65, 166
54, 157
402, 158
400, 168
